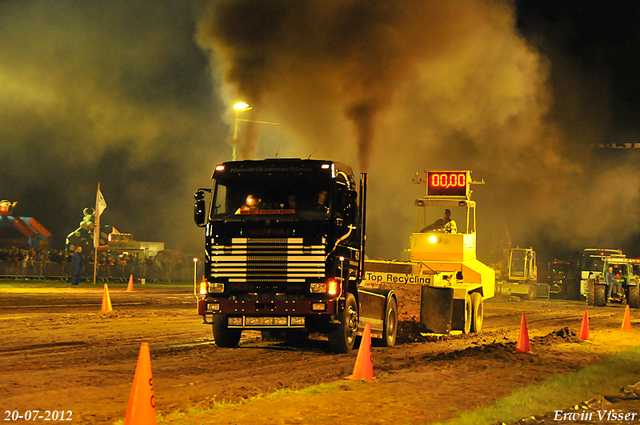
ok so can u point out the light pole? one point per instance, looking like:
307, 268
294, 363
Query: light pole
239, 108
195, 277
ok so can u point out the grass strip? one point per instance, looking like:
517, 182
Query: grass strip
560, 391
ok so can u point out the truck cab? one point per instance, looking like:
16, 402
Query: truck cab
284, 250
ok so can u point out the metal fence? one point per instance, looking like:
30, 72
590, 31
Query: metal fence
41, 270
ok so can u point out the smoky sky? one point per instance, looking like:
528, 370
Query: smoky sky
137, 95
405, 86
116, 93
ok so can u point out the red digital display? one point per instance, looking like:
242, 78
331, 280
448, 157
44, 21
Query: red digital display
447, 183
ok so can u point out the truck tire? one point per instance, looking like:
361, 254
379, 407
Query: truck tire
632, 297
390, 326
342, 338
591, 292
468, 314
477, 315
223, 336
600, 292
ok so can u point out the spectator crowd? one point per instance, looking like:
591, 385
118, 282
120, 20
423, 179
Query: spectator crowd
166, 266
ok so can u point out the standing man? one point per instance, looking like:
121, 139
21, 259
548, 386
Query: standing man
77, 261
611, 280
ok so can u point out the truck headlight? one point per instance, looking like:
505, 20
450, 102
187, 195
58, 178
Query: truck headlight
318, 288
331, 287
215, 287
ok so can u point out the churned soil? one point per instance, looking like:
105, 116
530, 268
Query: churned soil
59, 352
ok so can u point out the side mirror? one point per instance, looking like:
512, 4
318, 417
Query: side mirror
199, 208
349, 204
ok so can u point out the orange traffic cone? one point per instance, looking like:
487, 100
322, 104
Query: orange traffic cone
106, 301
626, 322
142, 405
130, 286
523, 339
584, 327
363, 368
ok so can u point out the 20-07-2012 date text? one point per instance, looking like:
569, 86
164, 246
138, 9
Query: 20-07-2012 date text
38, 415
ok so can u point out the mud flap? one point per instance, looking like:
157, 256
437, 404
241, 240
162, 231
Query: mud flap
436, 309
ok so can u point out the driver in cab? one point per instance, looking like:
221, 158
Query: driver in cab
444, 225
250, 204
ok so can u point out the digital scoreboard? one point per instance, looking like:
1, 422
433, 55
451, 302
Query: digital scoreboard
448, 184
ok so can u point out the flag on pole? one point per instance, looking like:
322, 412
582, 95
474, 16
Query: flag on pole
101, 204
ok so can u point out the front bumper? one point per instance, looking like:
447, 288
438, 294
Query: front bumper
214, 306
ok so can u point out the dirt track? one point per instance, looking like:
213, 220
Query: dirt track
60, 352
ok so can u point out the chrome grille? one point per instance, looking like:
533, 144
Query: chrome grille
267, 260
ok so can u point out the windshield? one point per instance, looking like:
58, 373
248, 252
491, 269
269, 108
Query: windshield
593, 264
289, 197
593, 260
518, 263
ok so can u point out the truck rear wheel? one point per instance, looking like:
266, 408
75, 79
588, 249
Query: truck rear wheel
390, 324
632, 298
477, 316
591, 292
342, 338
468, 314
600, 299
223, 336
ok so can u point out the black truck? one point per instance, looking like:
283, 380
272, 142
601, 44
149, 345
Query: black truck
284, 252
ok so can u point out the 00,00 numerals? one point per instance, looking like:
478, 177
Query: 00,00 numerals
34, 415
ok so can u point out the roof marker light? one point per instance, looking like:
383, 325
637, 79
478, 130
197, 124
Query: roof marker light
220, 167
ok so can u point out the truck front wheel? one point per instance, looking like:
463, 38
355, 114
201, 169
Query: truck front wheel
223, 336
632, 298
342, 338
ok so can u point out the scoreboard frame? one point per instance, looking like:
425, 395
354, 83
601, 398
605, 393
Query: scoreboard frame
448, 184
